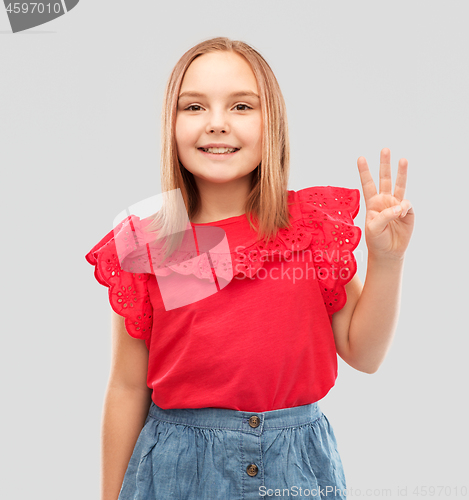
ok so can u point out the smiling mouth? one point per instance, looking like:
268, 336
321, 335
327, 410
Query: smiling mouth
230, 150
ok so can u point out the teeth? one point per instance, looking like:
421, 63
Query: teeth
219, 150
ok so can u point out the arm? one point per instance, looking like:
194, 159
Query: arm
365, 327
126, 406
374, 320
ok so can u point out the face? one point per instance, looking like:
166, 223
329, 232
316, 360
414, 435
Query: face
215, 116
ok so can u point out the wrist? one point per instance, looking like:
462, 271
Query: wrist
385, 261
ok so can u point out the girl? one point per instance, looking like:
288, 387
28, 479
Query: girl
221, 356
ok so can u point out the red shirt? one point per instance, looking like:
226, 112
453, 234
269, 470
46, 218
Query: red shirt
264, 340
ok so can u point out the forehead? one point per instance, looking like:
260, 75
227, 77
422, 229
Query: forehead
219, 73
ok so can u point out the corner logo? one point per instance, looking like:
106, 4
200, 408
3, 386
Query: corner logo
26, 15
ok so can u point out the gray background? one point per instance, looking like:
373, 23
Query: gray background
80, 108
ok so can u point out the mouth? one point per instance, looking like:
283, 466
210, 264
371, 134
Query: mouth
224, 154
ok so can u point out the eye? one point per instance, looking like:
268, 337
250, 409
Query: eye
200, 107
192, 106
245, 105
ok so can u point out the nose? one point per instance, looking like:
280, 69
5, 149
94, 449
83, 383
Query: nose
214, 130
217, 123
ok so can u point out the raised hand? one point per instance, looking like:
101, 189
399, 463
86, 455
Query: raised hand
387, 231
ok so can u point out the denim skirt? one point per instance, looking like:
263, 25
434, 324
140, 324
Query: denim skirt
218, 453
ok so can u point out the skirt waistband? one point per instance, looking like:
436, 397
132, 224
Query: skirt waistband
225, 418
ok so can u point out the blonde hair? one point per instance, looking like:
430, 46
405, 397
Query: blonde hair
267, 200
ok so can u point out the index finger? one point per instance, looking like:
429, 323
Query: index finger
368, 185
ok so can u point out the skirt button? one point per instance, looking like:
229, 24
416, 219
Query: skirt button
254, 421
252, 469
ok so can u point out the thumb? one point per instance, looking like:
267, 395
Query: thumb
379, 223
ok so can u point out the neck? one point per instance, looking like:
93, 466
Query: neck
222, 200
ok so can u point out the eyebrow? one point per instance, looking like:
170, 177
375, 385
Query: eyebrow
242, 93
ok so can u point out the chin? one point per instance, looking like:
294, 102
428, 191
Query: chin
217, 180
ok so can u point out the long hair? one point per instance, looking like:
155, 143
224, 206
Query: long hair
266, 205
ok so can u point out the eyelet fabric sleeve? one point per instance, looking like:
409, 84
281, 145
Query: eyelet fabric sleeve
328, 214
128, 292
321, 220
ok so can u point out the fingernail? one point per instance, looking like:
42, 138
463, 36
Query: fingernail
397, 209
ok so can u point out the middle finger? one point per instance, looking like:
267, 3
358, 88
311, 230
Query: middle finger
385, 184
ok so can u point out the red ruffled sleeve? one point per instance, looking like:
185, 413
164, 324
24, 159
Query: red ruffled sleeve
322, 221
328, 213
128, 292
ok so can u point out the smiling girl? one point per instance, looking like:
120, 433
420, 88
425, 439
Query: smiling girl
218, 398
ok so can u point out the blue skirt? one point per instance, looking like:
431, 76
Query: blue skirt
217, 453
